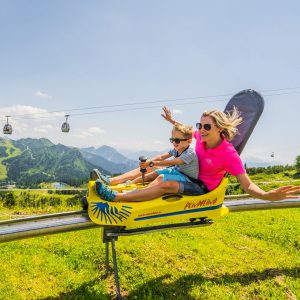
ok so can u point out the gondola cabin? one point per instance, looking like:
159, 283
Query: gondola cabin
7, 129
65, 127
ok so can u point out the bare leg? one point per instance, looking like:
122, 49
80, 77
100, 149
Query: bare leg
158, 180
131, 175
126, 176
150, 192
148, 177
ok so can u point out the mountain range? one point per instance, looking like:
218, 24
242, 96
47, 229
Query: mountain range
31, 161
109, 159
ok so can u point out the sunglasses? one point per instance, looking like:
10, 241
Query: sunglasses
177, 140
205, 126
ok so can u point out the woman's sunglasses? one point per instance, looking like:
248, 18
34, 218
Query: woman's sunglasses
205, 126
176, 140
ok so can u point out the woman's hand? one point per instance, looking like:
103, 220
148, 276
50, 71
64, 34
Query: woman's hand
284, 192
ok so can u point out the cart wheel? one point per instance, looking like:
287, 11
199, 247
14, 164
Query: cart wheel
84, 203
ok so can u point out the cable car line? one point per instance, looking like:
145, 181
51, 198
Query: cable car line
282, 89
7, 129
20, 117
119, 110
287, 93
159, 101
126, 104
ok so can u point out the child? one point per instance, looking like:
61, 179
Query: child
183, 168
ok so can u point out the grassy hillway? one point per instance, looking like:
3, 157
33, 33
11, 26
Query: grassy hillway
29, 162
249, 255
7, 150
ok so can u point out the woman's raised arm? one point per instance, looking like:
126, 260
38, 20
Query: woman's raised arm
167, 115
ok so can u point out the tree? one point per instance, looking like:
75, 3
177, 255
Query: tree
9, 200
298, 164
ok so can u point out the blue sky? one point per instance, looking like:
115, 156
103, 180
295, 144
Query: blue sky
66, 55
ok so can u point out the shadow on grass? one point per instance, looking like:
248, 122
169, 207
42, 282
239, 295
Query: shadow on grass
86, 291
162, 288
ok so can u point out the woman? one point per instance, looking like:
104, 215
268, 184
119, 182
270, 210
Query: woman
216, 156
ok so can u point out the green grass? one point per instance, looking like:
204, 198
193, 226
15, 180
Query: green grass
22, 202
249, 255
11, 151
266, 182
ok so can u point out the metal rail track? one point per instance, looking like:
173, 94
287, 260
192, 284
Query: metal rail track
28, 227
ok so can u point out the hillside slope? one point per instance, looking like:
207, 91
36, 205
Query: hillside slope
109, 159
32, 161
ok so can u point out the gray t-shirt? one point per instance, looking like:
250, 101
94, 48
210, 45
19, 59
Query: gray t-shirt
190, 166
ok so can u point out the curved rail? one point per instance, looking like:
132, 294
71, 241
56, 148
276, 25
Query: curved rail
22, 228
251, 204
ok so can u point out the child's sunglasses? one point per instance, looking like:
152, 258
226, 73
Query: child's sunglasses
205, 126
177, 140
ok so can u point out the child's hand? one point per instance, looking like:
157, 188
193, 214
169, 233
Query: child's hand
144, 164
167, 114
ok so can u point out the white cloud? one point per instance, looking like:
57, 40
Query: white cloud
25, 112
89, 132
45, 128
31, 121
96, 130
177, 111
58, 114
19, 128
158, 143
40, 94
40, 130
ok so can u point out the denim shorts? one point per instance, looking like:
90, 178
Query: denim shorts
186, 187
171, 174
191, 189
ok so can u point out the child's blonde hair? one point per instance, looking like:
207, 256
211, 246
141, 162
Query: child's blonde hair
228, 122
186, 130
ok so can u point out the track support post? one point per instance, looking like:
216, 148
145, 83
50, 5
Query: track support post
111, 240
111, 234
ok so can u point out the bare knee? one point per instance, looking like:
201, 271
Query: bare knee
159, 178
169, 186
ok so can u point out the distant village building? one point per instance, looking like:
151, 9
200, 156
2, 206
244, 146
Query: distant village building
59, 185
7, 185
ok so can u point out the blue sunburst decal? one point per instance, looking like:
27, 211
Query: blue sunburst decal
110, 214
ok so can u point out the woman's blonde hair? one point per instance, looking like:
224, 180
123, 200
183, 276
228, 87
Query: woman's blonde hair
186, 130
227, 122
